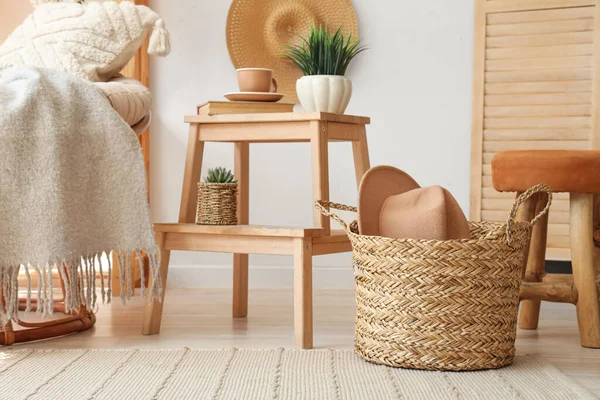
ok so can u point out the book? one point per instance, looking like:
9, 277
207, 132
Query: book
243, 107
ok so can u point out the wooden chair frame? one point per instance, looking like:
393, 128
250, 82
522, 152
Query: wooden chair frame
77, 321
582, 288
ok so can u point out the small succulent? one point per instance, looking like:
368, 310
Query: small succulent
219, 175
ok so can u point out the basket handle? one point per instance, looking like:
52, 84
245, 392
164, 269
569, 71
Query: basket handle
323, 206
541, 188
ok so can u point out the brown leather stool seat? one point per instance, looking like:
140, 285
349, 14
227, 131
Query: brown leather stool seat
576, 172
573, 171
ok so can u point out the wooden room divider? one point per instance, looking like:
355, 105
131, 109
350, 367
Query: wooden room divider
535, 86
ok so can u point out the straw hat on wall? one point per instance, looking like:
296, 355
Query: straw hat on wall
259, 30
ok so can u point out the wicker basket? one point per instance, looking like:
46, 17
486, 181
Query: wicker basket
439, 305
217, 204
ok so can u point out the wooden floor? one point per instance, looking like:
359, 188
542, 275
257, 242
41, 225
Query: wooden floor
202, 319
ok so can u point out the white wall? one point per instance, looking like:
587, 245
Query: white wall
414, 83
12, 13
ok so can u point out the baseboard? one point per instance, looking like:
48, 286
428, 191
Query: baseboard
278, 277
260, 277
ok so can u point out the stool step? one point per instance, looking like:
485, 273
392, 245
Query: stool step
240, 230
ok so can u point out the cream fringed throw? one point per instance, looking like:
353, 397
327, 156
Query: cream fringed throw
72, 188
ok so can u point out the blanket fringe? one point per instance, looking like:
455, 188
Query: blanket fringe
78, 277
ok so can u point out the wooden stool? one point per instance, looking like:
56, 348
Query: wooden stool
569, 171
302, 243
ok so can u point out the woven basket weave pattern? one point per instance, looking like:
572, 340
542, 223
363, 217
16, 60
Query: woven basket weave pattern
217, 204
440, 305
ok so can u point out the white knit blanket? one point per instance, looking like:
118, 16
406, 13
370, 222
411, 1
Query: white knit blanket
72, 189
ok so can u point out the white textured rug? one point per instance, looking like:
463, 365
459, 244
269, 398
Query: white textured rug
261, 374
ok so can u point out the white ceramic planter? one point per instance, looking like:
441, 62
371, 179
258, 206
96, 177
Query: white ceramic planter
324, 93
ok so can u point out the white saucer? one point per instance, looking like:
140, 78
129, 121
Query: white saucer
254, 96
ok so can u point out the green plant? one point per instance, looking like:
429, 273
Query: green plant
219, 175
324, 54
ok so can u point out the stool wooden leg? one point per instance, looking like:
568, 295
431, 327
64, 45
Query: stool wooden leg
360, 150
240, 285
530, 309
526, 213
153, 313
303, 307
115, 280
136, 274
191, 176
240, 261
584, 272
320, 166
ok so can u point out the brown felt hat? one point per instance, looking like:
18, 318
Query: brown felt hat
392, 204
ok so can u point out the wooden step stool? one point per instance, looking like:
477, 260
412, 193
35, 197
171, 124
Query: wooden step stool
302, 243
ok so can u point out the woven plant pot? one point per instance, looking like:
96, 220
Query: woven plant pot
217, 204
439, 305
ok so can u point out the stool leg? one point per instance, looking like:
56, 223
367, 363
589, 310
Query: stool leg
153, 313
530, 309
360, 150
303, 307
191, 176
525, 213
584, 273
320, 167
240, 261
240, 285
116, 276
597, 236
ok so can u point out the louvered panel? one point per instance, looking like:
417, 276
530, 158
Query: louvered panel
556, 253
497, 6
540, 40
558, 229
558, 241
537, 28
491, 193
571, 50
506, 204
538, 111
535, 73
537, 99
569, 86
537, 134
498, 146
560, 14
547, 122
556, 217
542, 63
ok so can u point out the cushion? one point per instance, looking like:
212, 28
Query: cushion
128, 97
92, 41
574, 171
